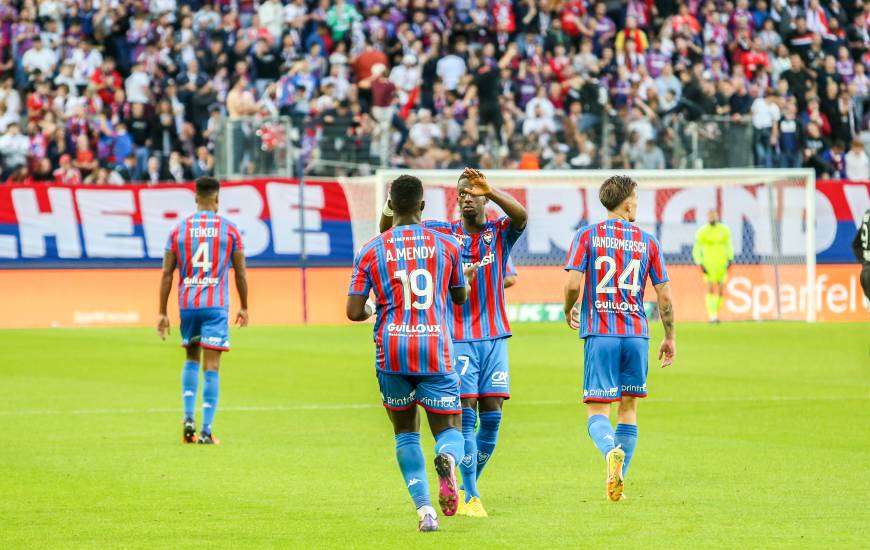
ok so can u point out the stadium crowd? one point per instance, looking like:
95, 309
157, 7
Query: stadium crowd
137, 90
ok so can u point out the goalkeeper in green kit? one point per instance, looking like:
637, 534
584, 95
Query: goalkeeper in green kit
714, 253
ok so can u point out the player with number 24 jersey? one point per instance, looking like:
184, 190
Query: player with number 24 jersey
610, 262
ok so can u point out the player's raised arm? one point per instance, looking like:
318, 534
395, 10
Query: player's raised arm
668, 349
386, 221
169, 264
512, 208
241, 273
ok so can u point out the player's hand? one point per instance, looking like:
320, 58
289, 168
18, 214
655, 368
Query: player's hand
667, 352
470, 272
162, 326
572, 317
479, 186
370, 307
242, 318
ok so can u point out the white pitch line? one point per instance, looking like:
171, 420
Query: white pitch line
355, 406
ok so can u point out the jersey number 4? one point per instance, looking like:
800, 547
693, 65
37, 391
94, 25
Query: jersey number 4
411, 285
628, 279
200, 257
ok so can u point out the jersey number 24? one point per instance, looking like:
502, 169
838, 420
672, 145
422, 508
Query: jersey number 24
627, 280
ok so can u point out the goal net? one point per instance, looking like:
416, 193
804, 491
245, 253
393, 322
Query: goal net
771, 214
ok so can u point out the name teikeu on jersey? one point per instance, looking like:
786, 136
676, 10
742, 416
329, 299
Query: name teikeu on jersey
199, 232
413, 253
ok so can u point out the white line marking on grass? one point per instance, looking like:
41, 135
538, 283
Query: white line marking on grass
356, 406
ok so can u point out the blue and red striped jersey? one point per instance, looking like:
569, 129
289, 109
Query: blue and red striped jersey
483, 316
411, 270
203, 244
617, 257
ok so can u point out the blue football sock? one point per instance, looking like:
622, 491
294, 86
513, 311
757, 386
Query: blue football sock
189, 386
468, 466
601, 433
409, 454
626, 436
209, 399
450, 441
487, 436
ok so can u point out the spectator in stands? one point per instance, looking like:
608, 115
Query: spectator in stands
790, 134
765, 115
67, 173
14, 146
857, 163
543, 80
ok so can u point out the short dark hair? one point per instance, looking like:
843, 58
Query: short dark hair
406, 193
206, 186
615, 190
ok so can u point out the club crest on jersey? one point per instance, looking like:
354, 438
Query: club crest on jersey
488, 237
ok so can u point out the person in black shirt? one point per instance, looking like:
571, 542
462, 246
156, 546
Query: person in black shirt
799, 81
266, 65
861, 248
139, 126
486, 82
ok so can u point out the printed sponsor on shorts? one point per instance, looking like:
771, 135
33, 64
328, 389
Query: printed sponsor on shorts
448, 402
399, 402
602, 393
500, 379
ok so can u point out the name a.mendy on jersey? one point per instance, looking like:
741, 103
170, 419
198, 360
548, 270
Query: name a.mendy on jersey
412, 253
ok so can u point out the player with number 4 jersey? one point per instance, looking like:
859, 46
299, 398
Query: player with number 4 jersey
611, 262
480, 326
202, 247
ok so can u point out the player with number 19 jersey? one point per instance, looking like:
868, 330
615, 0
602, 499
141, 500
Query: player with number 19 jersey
204, 244
616, 257
411, 270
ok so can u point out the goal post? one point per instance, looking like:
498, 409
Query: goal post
771, 213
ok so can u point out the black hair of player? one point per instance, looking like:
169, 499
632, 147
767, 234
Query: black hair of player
206, 186
406, 194
615, 190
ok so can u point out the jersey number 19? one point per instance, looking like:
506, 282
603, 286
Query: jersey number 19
411, 285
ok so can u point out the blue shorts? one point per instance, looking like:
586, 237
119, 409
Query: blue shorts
208, 327
483, 367
437, 393
614, 366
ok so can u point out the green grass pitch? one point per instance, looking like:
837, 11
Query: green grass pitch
758, 436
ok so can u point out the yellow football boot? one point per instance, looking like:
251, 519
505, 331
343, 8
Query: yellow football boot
460, 510
615, 482
474, 508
